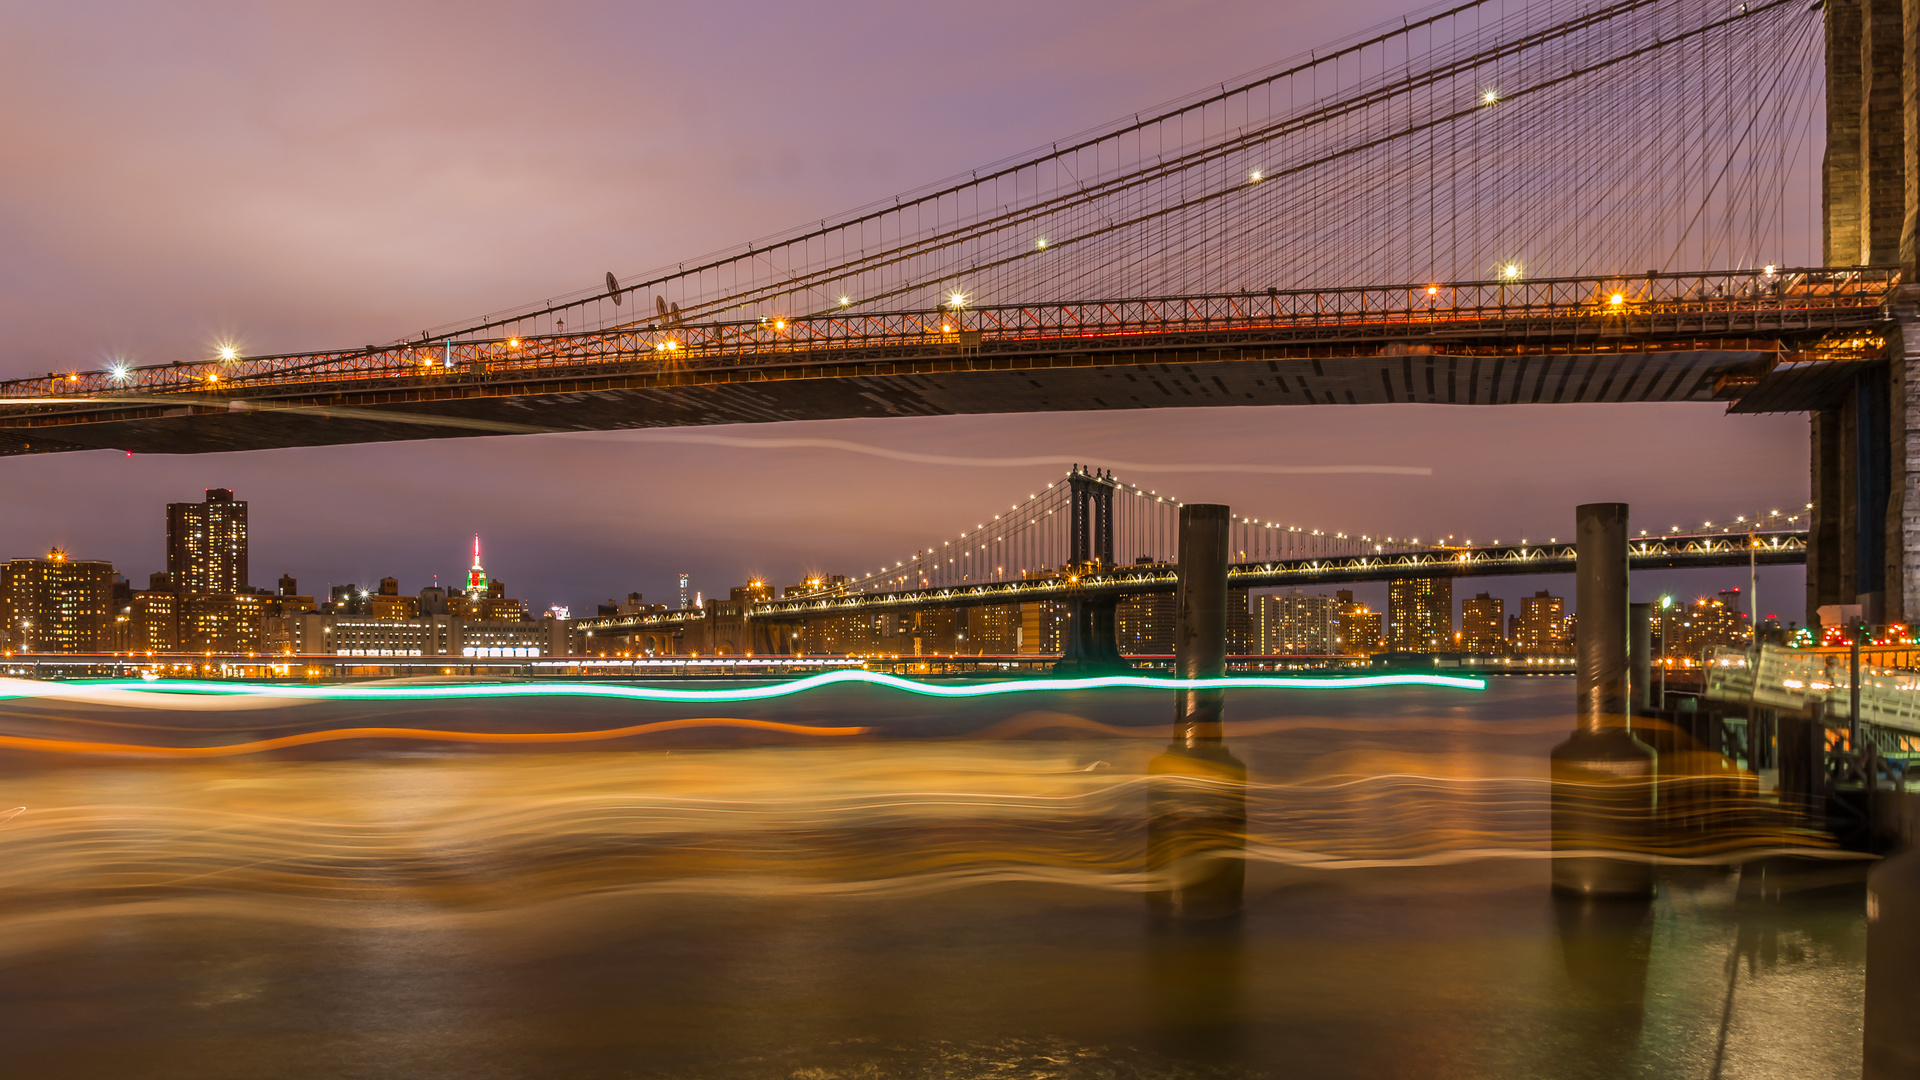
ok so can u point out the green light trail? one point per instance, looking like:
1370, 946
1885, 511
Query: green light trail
21, 688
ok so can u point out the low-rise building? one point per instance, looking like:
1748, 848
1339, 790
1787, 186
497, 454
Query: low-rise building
316, 633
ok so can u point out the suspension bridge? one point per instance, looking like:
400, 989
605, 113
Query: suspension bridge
1090, 539
1525, 202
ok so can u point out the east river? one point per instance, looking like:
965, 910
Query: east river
957, 891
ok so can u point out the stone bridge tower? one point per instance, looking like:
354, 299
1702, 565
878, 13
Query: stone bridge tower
1864, 538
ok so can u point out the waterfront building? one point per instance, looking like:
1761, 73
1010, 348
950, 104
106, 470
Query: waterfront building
1689, 630
1043, 627
57, 604
148, 622
223, 622
1239, 623
1545, 628
1359, 626
1420, 614
992, 630
1483, 623
1296, 623
1144, 624
207, 544
320, 633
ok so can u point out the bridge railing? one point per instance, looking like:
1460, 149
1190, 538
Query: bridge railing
1759, 301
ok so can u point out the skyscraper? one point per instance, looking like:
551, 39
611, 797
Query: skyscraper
476, 577
1420, 614
207, 544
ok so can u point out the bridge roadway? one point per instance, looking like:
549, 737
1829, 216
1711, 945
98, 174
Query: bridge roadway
1654, 337
1646, 553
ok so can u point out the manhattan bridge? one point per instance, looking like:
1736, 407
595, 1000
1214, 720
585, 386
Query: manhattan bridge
1488, 203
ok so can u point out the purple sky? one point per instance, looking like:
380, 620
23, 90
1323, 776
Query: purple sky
298, 177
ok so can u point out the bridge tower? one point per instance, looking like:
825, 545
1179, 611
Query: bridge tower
1863, 543
1092, 639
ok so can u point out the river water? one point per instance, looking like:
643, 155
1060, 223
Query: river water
958, 890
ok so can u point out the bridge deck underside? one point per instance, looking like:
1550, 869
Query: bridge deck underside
946, 381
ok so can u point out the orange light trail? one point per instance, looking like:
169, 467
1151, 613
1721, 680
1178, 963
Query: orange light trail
308, 738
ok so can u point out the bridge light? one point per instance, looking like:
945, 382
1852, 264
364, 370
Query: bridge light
1511, 271
1491, 97
956, 299
118, 373
1041, 243
1616, 299
1771, 269
1256, 176
228, 352
1433, 290
779, 324
513, 343
845, 300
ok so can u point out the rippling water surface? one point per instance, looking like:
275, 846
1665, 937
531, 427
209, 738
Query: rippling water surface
860, 883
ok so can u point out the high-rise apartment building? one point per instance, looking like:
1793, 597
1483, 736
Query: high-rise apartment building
207, 544
1359, 625
1483, 625
1545, 629
1688, 630
1144, 624
1296, 623
56, 604
1420, 614
992, 629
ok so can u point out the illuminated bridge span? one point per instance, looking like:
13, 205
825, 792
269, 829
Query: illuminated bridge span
1499, 161
1060, 544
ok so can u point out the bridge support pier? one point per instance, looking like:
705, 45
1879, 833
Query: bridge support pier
1197, 794
1602, 777
1092, 643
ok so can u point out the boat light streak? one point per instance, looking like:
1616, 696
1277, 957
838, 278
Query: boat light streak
22, 688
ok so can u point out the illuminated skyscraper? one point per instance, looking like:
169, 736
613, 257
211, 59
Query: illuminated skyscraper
207, 544
476, 577
1420, 614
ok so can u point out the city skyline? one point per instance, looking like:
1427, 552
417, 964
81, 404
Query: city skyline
407, 565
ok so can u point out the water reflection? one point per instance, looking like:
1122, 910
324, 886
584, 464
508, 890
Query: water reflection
1606, 943
959, 890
